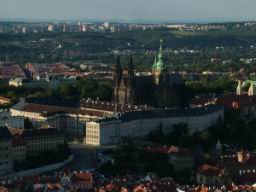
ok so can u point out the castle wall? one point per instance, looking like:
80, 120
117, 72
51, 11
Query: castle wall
142, 127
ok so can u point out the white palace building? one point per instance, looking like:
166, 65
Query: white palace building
105, 123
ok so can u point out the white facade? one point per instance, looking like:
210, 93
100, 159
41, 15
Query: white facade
108, 132
68, 122
102, 133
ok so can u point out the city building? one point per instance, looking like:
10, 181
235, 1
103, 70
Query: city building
244, 103
6, 119
6, 156
83, 181
161, 88
50, 82
68, 118
140, 123
63, 118
46, 71
39, 140
10, 70
212, 175
17, 81
19, 149
101, 123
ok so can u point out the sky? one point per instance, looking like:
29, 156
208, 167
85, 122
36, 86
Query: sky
130, 10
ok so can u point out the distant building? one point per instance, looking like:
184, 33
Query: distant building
50, 28
83, 181
244, 103
6, 156
17, 82
19, 149
212, 175
236, 166
10, 70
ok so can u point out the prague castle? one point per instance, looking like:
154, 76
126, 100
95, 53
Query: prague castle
162, 88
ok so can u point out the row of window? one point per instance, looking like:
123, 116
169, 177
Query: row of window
89, 131
93, 136
19, 149
4, 163
43, 145
6, 148
91, 141
19, 156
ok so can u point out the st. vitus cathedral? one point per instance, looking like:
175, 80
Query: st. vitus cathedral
162, 88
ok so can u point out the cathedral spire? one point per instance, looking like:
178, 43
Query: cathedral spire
131, 73
160, 65
118, 71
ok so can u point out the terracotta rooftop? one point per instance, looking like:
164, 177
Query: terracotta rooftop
83, 177
16, 131
209, 170
5, 99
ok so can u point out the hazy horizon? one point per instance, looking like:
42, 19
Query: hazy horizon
130, 10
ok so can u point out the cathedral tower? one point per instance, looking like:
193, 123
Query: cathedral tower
118, 73
158, 66
239, 87
124, 86
251, 91
131, 83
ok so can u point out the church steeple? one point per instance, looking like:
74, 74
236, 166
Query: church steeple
160, 63
131, 73
118, 72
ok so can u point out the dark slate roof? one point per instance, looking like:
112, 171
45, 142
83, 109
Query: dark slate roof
164, 113
5, 134
161, 113
55, 101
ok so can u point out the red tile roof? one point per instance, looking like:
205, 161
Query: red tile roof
83, 177
209, 170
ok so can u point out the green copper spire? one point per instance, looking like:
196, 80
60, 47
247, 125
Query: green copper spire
160, 65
